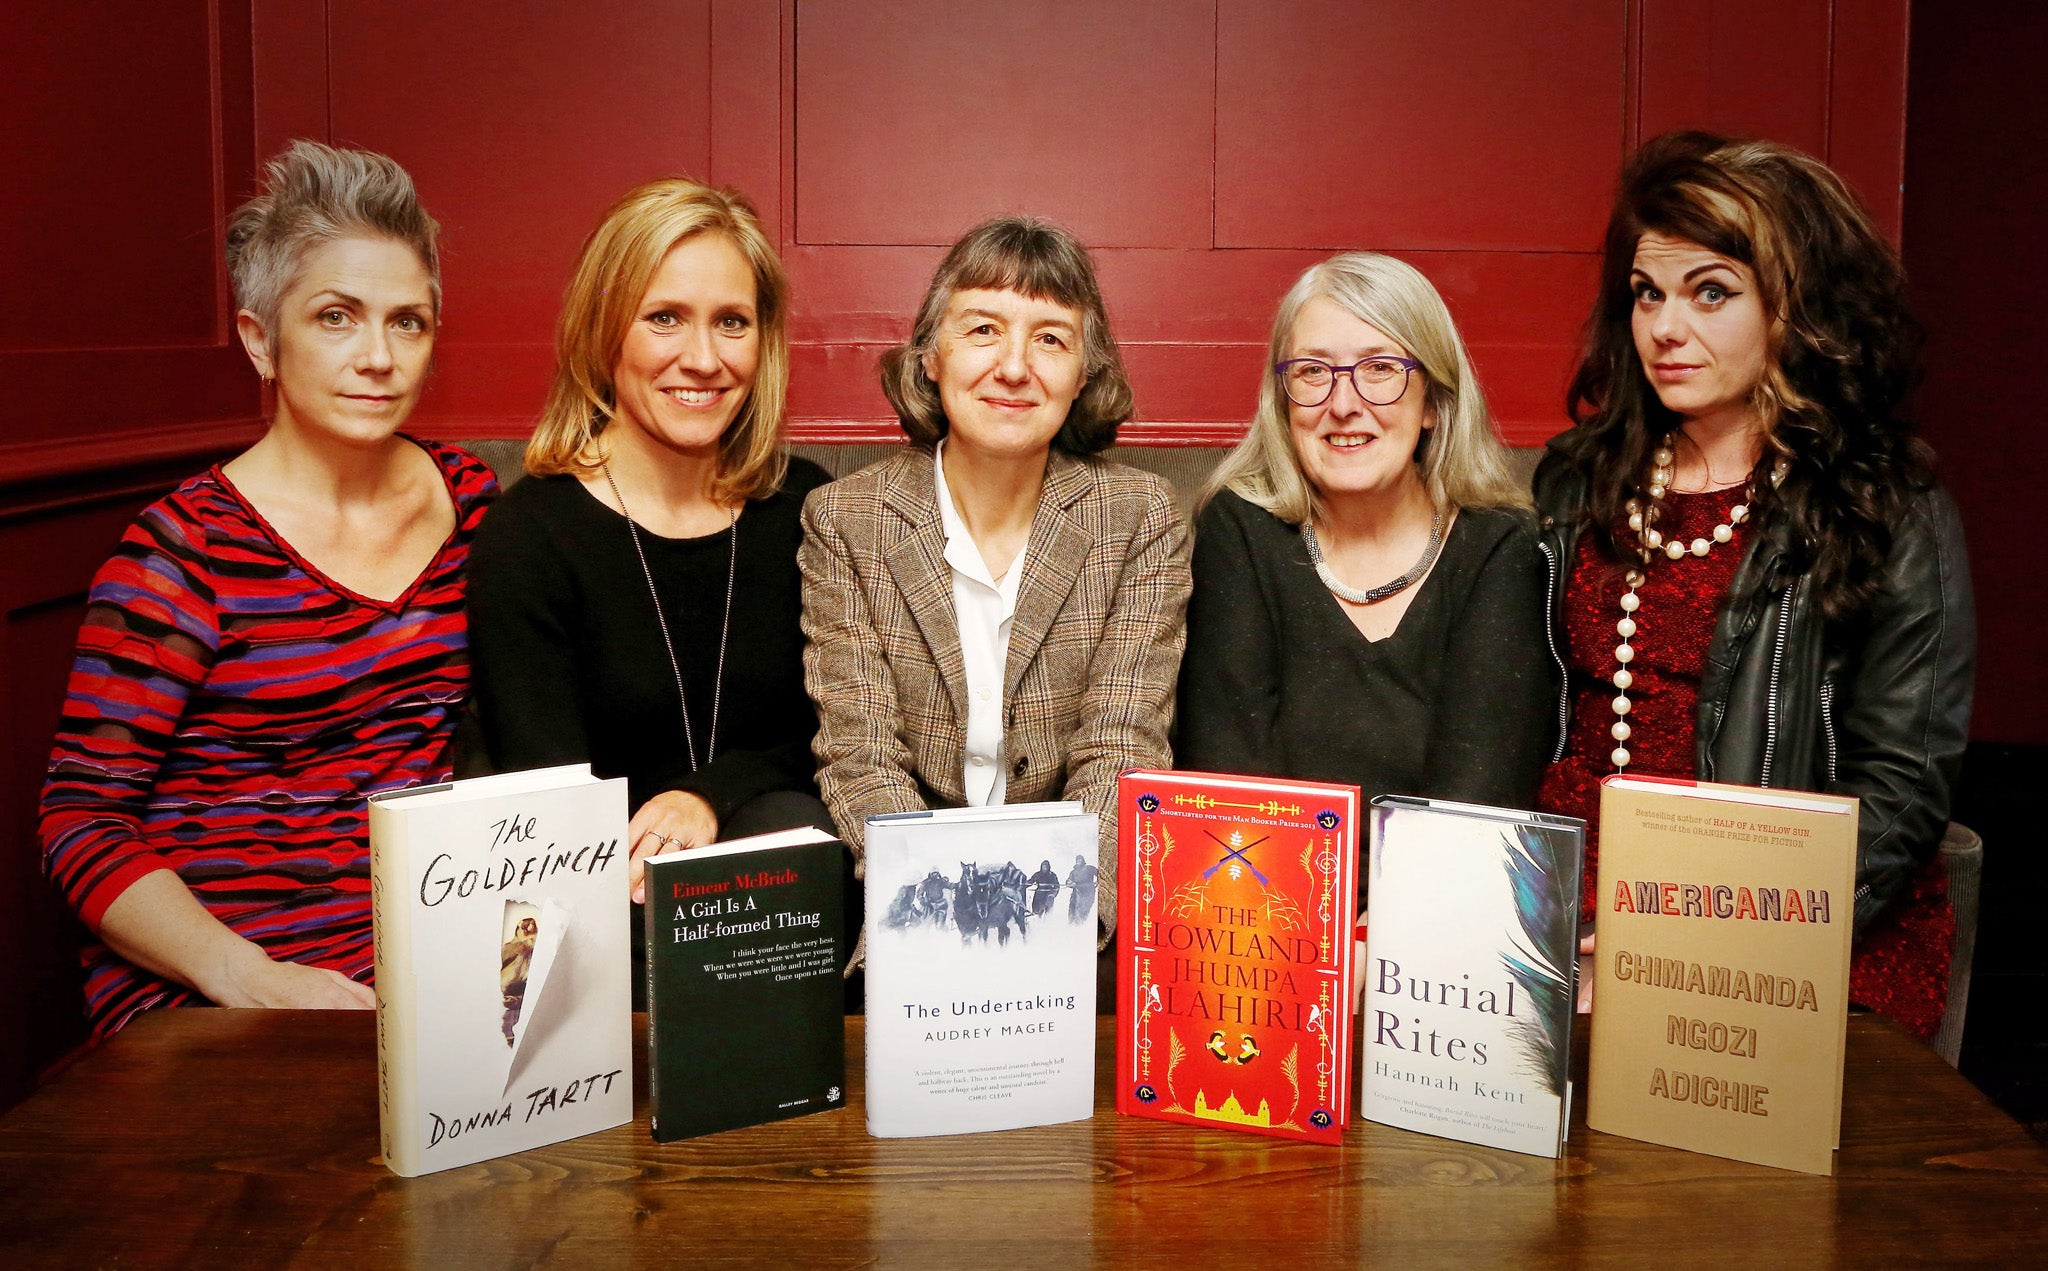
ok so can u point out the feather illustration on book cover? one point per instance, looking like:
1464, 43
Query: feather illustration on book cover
1470, 962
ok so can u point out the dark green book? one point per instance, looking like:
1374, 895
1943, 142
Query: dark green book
745, 1004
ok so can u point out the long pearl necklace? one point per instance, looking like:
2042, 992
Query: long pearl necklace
1642, 519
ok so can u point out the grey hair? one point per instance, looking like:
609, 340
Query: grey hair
314, 194
1463, 462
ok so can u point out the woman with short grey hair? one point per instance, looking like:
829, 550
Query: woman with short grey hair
280, 636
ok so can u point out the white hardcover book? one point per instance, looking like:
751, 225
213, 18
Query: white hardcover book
1469, 972
504, 1008
980, 982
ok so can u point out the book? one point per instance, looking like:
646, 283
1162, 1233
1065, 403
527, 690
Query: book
1234, 980
745, 999
1721, 969
1470, 972
980, 968
504, 1008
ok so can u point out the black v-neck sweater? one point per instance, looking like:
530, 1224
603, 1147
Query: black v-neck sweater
1460, 702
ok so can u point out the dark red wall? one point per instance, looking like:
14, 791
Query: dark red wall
1211, 151
125, 130
1976, 244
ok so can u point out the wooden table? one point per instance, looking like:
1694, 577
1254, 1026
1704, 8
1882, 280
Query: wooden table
249, 1138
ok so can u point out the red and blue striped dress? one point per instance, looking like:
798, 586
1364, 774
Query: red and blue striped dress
229, 709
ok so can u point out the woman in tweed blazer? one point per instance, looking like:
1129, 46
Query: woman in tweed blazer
996, 615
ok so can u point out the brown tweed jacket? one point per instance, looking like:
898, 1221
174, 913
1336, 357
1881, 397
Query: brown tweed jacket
1094, 647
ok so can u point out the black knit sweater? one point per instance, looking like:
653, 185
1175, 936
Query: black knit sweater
568, 659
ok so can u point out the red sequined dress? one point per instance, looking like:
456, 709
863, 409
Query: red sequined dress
1900, 967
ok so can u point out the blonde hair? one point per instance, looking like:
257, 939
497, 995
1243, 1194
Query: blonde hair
312, 195
619, 261
1463, 463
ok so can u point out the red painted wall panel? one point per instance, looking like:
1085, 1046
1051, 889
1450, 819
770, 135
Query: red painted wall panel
289, 59
917, 120
123, 130
133, 228
520, 123
1758, 67
1978, 259
1474, 125
748, 114
870, 135
126, 129
1829, 78
1148, 126
1867, 99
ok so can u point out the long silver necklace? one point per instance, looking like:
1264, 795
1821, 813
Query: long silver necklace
1381, 592
668, 644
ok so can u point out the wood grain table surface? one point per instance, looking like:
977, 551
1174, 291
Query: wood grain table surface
249, 1138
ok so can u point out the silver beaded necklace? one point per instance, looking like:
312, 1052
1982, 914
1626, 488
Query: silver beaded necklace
667, 643
1381, 592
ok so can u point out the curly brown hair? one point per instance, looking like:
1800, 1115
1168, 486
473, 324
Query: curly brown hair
1844, 353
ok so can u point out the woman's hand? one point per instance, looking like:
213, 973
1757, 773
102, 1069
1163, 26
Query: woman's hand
160, 926
253, 979
670, 820
1585, 1002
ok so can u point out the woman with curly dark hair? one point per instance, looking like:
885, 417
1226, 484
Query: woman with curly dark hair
1756, 579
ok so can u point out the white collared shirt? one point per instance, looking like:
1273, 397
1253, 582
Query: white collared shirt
983, 608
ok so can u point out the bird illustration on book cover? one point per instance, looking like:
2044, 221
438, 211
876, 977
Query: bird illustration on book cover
530, 948
1237, 913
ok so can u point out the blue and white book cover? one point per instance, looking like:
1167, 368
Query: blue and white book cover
981, 969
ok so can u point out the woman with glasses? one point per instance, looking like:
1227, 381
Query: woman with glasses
1368, 599
1758, 580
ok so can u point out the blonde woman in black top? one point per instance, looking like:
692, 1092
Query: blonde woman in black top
635, 601
1368, 598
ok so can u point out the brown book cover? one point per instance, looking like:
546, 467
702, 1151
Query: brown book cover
1721, 969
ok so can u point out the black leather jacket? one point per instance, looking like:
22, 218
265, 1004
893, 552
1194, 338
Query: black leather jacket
1787, 701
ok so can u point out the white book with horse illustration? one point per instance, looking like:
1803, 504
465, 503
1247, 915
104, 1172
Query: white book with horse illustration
980, 968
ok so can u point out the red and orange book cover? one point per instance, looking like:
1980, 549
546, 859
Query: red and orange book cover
1234, 990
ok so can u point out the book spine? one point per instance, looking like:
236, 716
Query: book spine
650, 922
397, 1043
1346, 952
